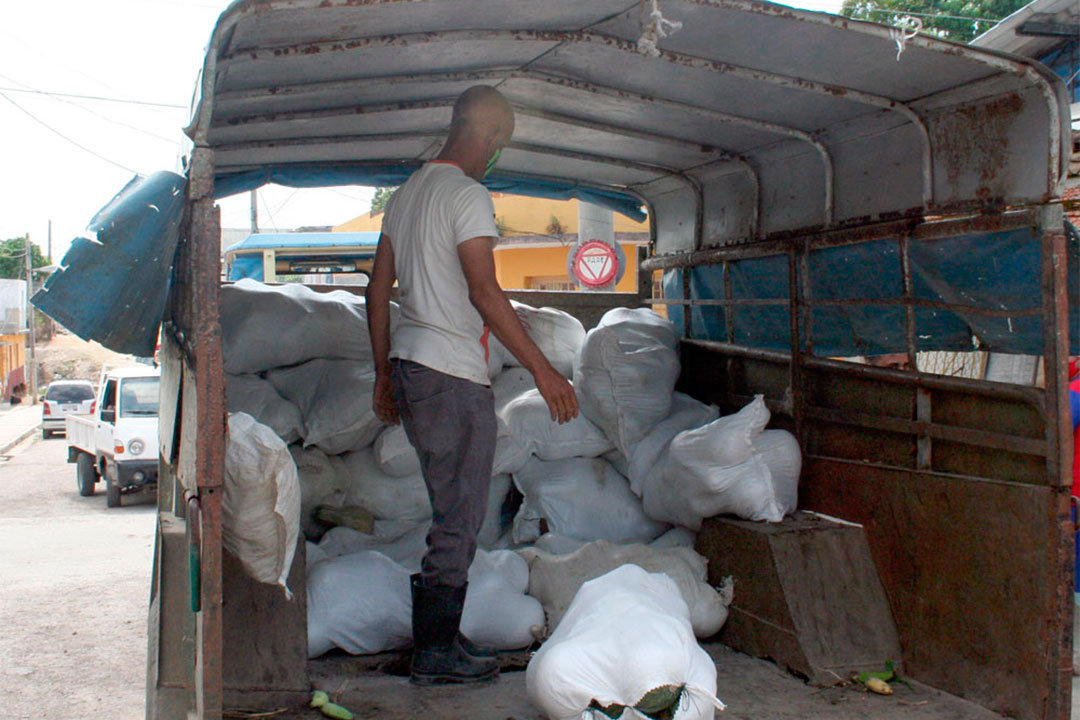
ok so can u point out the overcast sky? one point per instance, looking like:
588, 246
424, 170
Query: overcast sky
64, 154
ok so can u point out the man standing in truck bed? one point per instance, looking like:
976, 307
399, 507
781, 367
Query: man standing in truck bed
437, 241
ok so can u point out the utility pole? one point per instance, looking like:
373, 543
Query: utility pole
254, 211
31, 363
48, 255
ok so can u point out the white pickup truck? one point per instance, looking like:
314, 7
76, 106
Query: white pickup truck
118, 441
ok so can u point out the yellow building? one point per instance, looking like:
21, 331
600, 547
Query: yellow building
537, 235
12, 358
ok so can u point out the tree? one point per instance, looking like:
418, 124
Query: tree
13, 258
382, 196
957, 20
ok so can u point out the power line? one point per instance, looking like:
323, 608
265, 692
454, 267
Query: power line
269, 214
91, 97
65, 137
94, 112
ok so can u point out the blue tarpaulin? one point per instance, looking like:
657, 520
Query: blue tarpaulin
329, 175
111, 287
999, 271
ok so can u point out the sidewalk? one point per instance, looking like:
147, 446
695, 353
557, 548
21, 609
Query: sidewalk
18, 423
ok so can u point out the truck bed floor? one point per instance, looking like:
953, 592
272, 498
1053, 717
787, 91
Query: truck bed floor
752, 689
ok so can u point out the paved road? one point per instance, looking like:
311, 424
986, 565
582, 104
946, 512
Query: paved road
74, 592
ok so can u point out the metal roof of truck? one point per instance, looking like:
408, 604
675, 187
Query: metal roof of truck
795, 119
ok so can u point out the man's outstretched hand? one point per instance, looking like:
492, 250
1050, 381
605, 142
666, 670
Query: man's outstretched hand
559, 395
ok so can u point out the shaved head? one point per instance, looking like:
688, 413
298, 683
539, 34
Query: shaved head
481, 126
480, 112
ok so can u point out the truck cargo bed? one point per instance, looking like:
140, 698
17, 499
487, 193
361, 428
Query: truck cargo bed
751, 688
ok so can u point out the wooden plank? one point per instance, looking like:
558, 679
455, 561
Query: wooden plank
264, 651
169, 403
837, 601
188, 452
807, 595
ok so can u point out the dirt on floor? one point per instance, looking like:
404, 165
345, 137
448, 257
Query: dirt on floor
67, 357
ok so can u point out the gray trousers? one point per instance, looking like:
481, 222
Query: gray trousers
451, 423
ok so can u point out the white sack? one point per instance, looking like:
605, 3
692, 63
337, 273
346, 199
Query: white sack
260, 505
618, 461
395, 454
687, 494
585, 498
529, 420
510, 455
384, 496
319, 484
557, 543
686, 413
625, 374
334, 396
725, 441
780, 452
493, 527
625, 634
313, 554
713, 470
555, 579
643, 321
266, 327
361, 603
402, 541
255, 396
497, 611
495, 356
675, 537
557, 334
509, 384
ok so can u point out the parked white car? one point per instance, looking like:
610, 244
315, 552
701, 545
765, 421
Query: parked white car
63, 398
119, 440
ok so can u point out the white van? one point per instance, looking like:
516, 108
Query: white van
63, 398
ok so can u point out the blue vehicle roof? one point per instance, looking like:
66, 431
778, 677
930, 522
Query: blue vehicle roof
266, 241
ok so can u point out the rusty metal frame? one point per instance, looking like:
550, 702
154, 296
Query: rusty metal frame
1053, 447
913, 228
1059, 443
790, 82
195, 329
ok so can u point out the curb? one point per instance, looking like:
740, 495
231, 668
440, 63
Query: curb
6, 448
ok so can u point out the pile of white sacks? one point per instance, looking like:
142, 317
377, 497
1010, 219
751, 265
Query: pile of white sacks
628, 481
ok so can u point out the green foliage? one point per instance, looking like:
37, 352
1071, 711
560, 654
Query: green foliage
957, 20
382, 196
555, 227
13, 258
501, 225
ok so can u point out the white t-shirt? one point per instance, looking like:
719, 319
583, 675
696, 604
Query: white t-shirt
437, 209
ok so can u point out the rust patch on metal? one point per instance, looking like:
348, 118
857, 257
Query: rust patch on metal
974, 137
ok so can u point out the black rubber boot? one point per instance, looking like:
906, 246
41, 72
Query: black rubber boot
438, 656
478, 651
